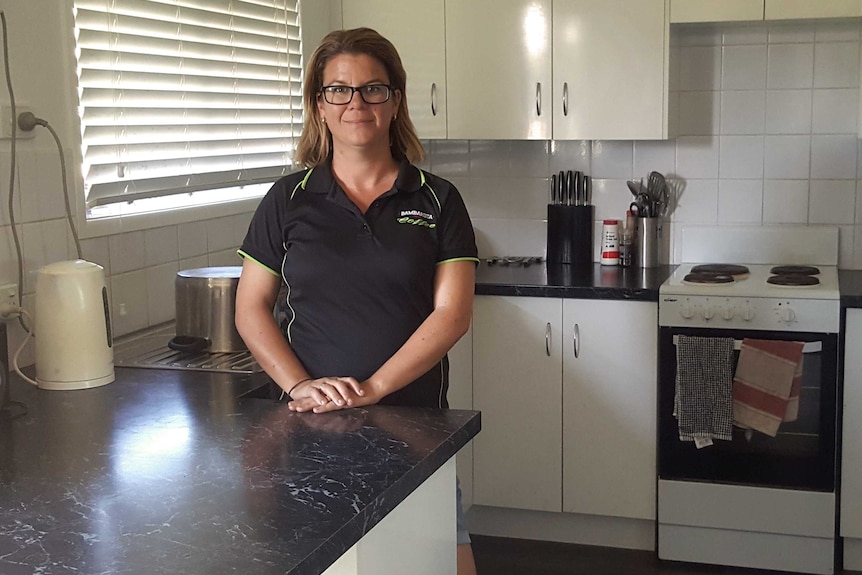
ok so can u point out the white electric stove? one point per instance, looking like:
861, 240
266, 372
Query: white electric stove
756, 501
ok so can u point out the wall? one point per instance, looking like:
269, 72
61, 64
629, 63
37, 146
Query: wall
765, 118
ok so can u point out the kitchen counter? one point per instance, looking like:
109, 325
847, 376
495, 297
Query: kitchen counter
592, 281
850, 282
172, 472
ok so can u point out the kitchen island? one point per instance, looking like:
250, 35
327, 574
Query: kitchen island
170, 472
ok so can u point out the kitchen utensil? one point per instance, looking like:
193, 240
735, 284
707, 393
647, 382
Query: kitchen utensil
561, 187
579, 188
205, 307
634, 187
570, 188
74, 343
553, 189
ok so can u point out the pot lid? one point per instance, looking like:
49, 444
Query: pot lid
212, 272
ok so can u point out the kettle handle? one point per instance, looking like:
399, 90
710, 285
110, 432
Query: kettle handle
188, 344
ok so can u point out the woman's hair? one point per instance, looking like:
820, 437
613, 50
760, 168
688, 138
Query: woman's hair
315, 142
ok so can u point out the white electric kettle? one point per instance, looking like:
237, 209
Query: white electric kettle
74, 348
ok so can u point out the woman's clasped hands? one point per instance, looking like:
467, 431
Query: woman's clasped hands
329, 394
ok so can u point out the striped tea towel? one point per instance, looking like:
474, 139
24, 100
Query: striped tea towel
763, 384
704, 381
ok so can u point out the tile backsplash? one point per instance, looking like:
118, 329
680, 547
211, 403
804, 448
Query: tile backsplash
765, 124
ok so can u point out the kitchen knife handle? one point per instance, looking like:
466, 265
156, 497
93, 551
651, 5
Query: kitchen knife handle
561, 187
579, 188
538, 98
553, 188
433, 98
565, 98
588, 190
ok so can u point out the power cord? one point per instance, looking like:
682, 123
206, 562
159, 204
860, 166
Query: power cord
28, 121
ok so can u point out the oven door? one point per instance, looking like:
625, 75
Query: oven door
801, 456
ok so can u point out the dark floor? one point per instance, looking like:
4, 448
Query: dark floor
501, 556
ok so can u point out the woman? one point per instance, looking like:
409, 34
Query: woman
377, 257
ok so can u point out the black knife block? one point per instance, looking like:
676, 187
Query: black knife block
570, 234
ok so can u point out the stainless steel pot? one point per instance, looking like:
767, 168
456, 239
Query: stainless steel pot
205, 306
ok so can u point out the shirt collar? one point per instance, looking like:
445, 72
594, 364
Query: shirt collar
321, 181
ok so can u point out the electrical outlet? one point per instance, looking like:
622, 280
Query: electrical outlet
8, 299
6, 119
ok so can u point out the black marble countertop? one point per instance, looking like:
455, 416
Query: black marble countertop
591, 281
170, 472
850, 282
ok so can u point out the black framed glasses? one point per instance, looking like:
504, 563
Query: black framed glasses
370, 94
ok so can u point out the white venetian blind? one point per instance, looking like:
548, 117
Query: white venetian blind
186, 96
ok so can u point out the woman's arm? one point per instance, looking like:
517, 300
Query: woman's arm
454, 285
255, 297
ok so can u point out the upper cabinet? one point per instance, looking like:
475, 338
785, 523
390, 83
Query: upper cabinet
610, 69
712, 11
498, 64
799, 9
416, 28
734, 10
562, 69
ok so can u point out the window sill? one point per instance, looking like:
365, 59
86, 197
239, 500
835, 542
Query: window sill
108, 226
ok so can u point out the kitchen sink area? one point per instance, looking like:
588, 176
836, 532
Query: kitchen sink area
148, 349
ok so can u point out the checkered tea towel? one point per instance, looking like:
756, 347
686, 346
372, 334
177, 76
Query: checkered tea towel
767, 375
703, 403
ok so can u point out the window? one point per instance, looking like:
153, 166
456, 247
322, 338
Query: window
185, 102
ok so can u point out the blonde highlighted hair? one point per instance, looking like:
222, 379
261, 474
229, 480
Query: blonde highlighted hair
315, 143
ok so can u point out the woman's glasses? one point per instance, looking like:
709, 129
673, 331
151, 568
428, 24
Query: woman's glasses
370, 94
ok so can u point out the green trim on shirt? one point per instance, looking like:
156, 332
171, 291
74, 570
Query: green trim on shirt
244, 255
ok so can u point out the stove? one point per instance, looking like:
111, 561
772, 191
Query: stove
732, 491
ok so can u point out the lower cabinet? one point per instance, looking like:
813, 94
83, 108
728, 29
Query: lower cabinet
567, 391
851, 445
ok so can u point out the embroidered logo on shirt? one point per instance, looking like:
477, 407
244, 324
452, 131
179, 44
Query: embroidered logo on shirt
416, 218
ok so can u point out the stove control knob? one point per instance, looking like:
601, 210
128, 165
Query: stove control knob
748, 313
787, 314
686, 311
708, 313
727, 313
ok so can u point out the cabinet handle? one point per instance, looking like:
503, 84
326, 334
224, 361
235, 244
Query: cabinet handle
548, 339
538, 98
565, 98
576, 341
433, 98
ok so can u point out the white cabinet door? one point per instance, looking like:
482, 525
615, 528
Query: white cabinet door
416, 28
851, 450
498, 65
712, 11
461, 397
516, 385
609, 407
610, 69
796, 9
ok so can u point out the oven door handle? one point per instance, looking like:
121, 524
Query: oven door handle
808, 347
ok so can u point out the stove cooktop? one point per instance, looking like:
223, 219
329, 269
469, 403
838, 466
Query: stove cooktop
753, 284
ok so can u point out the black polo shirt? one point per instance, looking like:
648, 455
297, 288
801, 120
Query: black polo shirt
358, 285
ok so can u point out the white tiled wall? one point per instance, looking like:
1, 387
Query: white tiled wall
765, 121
